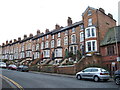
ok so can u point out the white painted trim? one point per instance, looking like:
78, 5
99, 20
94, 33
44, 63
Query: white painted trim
91, 45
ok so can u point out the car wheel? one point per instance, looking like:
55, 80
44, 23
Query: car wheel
96, 79
117, 80
79, 77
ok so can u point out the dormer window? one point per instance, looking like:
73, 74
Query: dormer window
89, 12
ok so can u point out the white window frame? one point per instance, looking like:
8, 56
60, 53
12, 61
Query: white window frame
46, 53
90, 28
91, 41
42, 38
90, 21
53, 36
59, 34
47, 44
89, 12
37, 46
74, 51
73, 30
81, 36
66, 40
66, 32
52, 43
47, 36
81, 27
72, 42
58, 52
42, 45
58, 42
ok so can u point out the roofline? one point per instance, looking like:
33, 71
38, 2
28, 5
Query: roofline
60, 30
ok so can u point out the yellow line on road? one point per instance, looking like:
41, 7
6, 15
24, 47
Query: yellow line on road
20, 87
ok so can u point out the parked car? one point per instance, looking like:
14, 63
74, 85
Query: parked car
23, 68
117, 77
12, 67
94, 73
3, 65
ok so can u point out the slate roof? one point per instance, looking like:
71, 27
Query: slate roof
110, 36
60, 30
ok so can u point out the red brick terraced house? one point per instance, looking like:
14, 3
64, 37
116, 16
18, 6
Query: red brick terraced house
26, 49
52, 46
110, 48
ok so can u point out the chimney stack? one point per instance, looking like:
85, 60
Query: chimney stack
102, 10
38, 32
10, 41
31, 35
25, 36
15, 40
47, 30
57, 27
42, 33
69, 21
6, 42
19, 39
110, 15
3, 44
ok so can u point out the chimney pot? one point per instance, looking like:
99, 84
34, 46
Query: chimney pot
38, 32
25, 36
102, 10
15, 40
10, 41
31, 35
6, 42
3, 44
19, 39
57, 26
110, 15
47, 30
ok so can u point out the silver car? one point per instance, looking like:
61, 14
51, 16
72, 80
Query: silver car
94, 73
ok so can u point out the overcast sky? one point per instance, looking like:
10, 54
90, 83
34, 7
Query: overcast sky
19, 17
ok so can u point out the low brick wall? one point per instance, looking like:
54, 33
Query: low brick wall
70, 69
49, 69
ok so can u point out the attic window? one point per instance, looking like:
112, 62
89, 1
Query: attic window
89, 12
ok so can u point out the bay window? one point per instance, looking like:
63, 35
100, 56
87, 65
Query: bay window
91, 45
90, 32
58, 52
